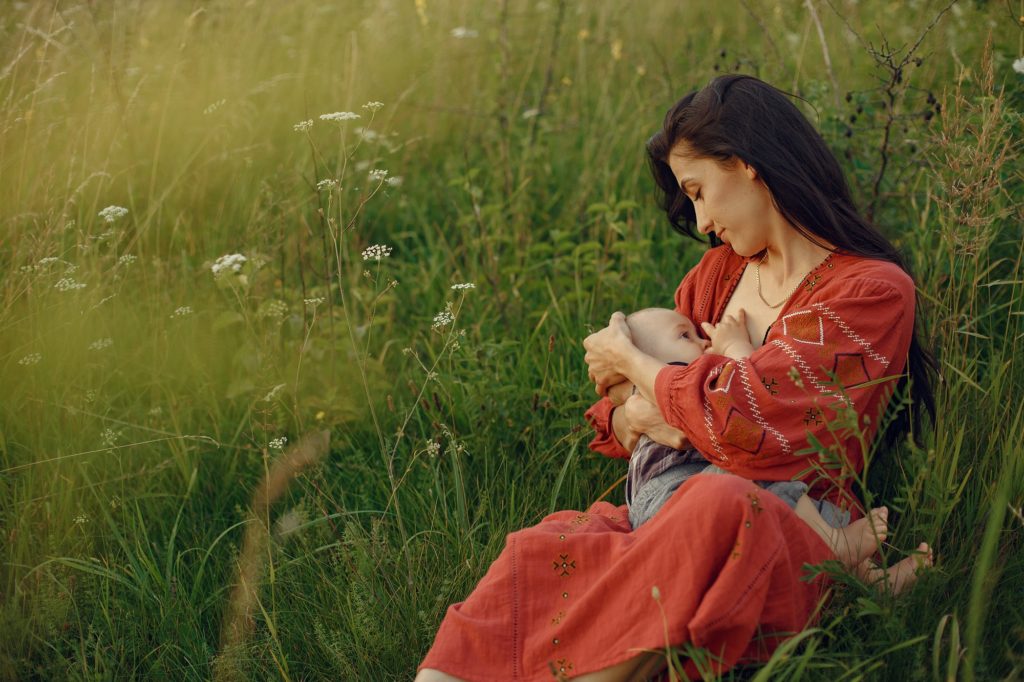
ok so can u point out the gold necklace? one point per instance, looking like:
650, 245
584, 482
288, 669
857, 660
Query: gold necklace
757, 276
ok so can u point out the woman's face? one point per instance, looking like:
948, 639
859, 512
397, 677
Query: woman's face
730, 200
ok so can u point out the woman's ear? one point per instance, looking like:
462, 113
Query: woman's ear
750, 171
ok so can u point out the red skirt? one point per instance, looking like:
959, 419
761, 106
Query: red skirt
719, 566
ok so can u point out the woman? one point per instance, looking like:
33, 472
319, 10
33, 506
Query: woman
720, 567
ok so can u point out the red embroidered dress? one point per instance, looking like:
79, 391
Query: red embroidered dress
573, 594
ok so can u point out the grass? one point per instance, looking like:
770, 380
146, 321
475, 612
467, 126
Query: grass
128, 468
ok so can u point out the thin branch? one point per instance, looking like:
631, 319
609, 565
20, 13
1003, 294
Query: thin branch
809, 4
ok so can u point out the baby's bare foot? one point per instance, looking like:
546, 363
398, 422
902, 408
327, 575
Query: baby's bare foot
859, 540
902, 575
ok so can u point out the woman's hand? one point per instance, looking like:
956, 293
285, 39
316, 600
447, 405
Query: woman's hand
642, 416
606, 353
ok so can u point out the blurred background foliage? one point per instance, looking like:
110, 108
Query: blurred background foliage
143, 394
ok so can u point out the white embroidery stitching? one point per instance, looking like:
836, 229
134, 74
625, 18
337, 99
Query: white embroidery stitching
757, 413
853, 336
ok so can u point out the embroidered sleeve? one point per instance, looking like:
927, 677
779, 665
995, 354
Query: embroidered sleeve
757, 413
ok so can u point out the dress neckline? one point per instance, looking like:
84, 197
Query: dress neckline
806, 286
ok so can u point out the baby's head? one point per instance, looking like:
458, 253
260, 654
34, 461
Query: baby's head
665, 335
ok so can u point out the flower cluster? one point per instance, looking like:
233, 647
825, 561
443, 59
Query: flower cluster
68, 284
463, 286
126, 259
394, 181
376, 252
373, 106
433, 448
443, 319
274, 308
112, 213
232, 262
461, 32
182, 311
303, 126
110, 437
101, 344
329, 183
340, 116
1018, 65
30, 359
278, 443
313, 302
378, 175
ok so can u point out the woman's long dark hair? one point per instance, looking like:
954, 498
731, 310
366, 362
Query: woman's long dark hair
742, 117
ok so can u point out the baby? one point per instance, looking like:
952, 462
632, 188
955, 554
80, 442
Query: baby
656, 471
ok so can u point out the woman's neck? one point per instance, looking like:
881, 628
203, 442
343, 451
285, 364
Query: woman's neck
789, 257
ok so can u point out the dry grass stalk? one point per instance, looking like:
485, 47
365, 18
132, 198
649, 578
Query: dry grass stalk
239, 619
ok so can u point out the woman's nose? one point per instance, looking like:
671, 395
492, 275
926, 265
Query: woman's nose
703, 224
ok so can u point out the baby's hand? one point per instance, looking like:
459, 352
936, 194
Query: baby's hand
729, 337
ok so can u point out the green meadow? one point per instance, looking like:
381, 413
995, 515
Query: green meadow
251, 428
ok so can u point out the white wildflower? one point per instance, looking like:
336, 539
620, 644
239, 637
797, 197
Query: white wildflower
531, 113
30, 359
313, 302
126, 259
231, 262
110, 437
329, 183
81, 519
433, 448
49, 260
378, 175
289, 522
112, 213
156, 411
303, 126
376, 252
461, 32
101, 344
443, 319
1018, 65
68, 284
274, 308
182, 311
278, 443
463, 286
340, 116
373, 106
395, 181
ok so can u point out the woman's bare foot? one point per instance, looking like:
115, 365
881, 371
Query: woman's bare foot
859, 540
900, 576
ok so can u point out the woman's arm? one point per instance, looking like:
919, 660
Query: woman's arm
823, 377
